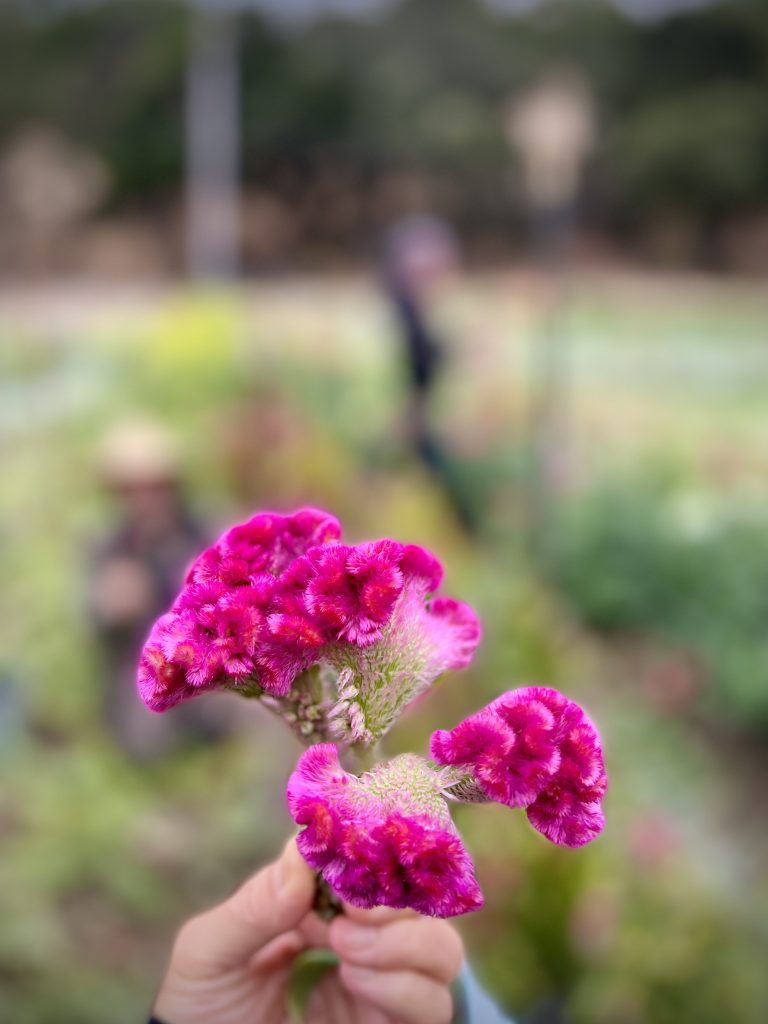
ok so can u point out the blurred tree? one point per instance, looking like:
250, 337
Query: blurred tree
360, 103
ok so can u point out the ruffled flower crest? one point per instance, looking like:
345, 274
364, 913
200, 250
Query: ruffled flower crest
385, 838
338, 640
530, 748
214, 635
378, 593
279, 606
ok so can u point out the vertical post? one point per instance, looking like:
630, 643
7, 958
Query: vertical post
552, 126
212, 124
548, 413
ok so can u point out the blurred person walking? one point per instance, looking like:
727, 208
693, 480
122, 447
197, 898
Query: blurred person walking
419, 254
133, 575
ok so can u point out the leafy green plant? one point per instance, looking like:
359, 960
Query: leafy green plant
639, 559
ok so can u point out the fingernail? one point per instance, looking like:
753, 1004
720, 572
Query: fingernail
355, 937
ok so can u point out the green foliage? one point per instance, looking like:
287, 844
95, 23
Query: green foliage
681, 101
661, 155
684, 570
101, 858
613, 935
619, 562
130, 55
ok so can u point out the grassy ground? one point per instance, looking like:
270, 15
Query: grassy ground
100, 858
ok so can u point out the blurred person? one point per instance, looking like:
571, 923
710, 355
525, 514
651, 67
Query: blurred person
134, 574
232, 964
419, 254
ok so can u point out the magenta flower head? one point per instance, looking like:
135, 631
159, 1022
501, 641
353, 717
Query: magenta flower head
213, 636
388, 640
340, 638
385, 838
530, 748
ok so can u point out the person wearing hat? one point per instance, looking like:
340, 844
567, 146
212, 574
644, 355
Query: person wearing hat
134, 573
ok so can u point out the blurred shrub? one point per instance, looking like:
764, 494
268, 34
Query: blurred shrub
682, 570
625, 932
339, 116
663, 157
100, 859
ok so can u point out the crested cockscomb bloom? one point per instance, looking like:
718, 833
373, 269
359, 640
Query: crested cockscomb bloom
569, 810
530, 748
279, 596
161, 681
267, 543
388, 640
208, 639
215, 634
338, 639
384, 838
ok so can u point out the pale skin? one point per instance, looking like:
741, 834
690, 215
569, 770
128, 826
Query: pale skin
231, 964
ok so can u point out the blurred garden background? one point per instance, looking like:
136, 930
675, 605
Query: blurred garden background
199, 206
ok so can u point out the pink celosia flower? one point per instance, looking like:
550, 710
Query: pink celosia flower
339, 639
569, 810
162, 682
530, 748
217, 633
385, 838
280, 594
352, 590
209, 639
387, 639
267, 543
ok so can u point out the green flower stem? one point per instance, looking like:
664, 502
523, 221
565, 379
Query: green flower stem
326, 903
307, 971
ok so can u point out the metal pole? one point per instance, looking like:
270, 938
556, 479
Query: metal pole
553, 127
212, 116
549, 228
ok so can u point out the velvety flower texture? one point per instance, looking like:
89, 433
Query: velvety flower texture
217, 632
277, 595
531, 748
385, 838
391, 640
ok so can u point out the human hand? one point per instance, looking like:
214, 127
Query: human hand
232, 964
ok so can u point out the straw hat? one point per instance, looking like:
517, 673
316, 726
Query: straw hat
139, 451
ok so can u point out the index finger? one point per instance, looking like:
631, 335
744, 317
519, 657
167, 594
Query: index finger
423, 944
274, 901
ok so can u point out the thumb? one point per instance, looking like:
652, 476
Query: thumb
272, 902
